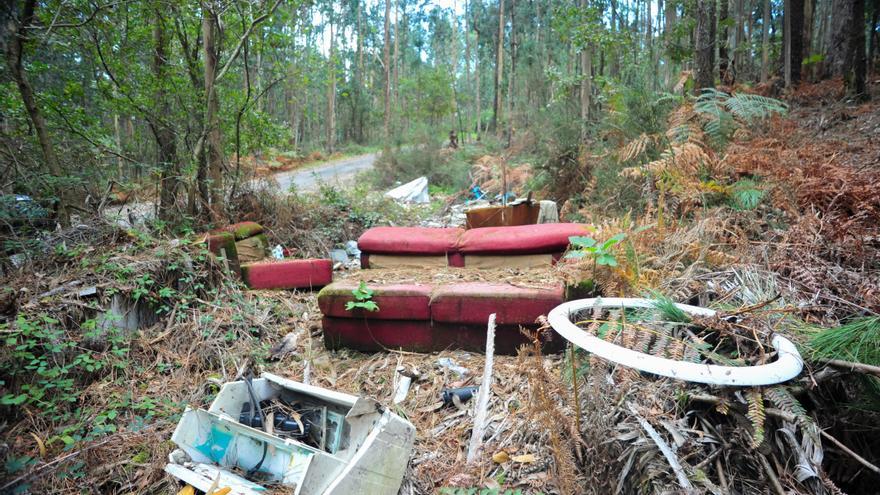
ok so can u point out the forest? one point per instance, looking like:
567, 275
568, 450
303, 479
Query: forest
165, 164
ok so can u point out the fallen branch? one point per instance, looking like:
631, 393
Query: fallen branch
482, 404
852, 366
841, 446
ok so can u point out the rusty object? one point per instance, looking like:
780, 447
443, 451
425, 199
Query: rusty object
525, 213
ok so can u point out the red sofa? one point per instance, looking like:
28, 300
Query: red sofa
426, 318
487, 247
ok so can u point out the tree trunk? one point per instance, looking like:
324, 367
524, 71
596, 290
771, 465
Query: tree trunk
794, 41
855, 76
614, 68
14, 51
738, 54
875, 37
214, 139
836, 53
511, 76
723, 39
163, 133
499, 66
467, 63
704, 45
670, 19
765, 42
387, 61
396, 65
331, 89
479, 106
586, 87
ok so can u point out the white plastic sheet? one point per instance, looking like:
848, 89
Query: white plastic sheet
415, 191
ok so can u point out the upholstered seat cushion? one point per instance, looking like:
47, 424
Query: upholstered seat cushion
288, 274
395, 301
377, 335
520, 239
409, 240
473, 302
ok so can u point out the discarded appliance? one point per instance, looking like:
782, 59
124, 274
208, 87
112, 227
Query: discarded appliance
415, 191
319, 441
788, 363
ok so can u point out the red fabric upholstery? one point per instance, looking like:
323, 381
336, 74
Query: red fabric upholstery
409, 240
396, 302
287, 274
472, 303
520, 239
508, 338
377, 335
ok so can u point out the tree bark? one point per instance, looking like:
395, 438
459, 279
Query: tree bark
331, 88
704, 45
875, 37
765, 42
723, 39
214, 138
836, 53
499, 67
794, 41
14, 53
166, 142
855, 76
511, 76
670, 18
586, 86
387, 62
479, 106
396, 65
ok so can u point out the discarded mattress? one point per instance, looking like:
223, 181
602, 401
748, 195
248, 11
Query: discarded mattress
529, 245
288, 274
322, 442
427, 318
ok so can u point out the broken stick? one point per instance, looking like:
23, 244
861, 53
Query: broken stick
482, 404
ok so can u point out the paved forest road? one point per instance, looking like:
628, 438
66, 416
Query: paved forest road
337, 172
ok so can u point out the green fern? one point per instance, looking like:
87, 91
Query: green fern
724, 113
746, 195
751, 108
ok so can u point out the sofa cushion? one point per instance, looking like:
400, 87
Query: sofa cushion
520, 239
473, 302
409, 240
243, 230
472, 337
377, 335
288, 274
395, 301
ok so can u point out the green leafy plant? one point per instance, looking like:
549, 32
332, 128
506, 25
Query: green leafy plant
363, 299
723, 113
601, 254
747, 195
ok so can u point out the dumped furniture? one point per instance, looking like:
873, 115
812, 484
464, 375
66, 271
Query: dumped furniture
520, 246
320, 442
434, 317
519, 212
288, 274
245, 248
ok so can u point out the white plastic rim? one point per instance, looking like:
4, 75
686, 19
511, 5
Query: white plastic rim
787, 366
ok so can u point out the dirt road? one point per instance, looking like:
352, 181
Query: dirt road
336, 172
